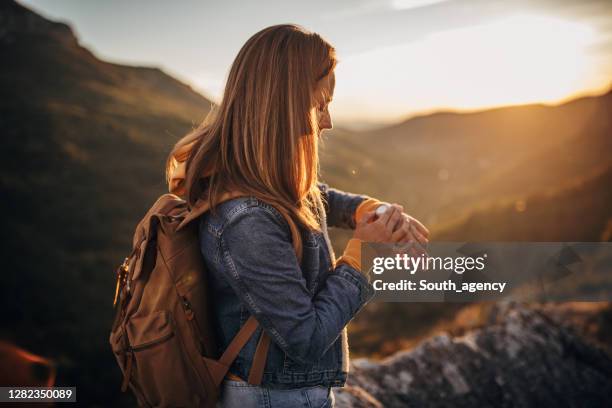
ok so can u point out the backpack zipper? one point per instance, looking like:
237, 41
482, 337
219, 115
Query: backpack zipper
193, 323
151, 343
129, 355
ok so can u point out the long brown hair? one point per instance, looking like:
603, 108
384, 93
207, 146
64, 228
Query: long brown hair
262, 139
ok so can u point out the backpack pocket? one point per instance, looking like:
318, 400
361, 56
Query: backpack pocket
161, 370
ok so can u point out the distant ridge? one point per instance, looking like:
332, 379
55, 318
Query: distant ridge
578, 211
441, 165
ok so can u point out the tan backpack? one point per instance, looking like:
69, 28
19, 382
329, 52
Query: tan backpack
162, 335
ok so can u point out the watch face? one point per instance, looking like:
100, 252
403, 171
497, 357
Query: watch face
381, 210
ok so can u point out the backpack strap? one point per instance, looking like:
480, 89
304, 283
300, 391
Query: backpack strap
259, 360
238, 342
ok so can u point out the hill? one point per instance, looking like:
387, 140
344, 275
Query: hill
442, 165
581, 210
84, 145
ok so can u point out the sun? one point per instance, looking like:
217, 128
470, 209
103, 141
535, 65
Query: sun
519, 59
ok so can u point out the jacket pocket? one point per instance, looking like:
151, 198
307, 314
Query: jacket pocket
161, 371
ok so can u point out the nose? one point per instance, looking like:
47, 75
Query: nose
325, 121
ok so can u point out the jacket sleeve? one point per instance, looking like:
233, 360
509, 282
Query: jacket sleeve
265, 273
340, 206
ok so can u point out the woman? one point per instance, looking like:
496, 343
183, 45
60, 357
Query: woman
265, 241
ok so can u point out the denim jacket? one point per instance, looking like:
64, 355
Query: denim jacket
303, 307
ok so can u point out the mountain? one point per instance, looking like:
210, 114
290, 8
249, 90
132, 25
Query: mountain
581, 210
442, 165
84, 146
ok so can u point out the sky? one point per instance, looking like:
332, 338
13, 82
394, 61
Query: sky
398, 58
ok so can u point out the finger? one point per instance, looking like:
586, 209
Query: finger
421, 250
398, 206
424, 231
409, 237
406, 221
411, 240
404, 251
399, 234
415, 252
394, 219
419, 237
401, 218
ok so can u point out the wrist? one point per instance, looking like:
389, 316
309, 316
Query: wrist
352, 254
367, 205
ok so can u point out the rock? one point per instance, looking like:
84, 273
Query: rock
523, 358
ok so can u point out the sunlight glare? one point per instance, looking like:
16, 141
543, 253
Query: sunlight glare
520, 59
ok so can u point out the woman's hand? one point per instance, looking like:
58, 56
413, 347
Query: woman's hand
411, 230
382, 228
393, 226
